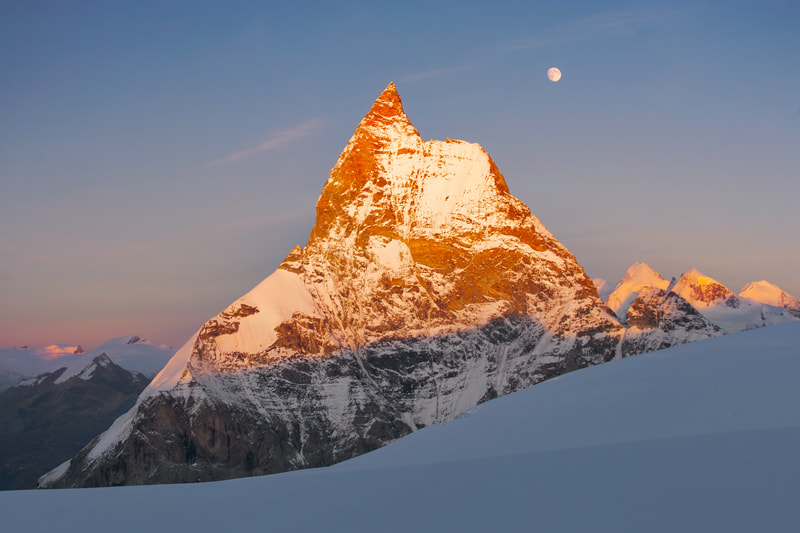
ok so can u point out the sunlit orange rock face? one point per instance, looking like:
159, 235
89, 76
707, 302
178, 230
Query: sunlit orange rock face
412, 236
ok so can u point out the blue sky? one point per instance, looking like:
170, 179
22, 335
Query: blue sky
158, 159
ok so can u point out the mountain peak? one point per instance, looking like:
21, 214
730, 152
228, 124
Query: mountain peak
388, 177
425, 288
701, 290
768, 293
388, 104
641, 270
385, 120
103, 360
638, 277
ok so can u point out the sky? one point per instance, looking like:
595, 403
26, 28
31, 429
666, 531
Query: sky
159, 159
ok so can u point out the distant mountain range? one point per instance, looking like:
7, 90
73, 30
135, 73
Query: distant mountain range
130, 352
49, 418
55, 399
758, 304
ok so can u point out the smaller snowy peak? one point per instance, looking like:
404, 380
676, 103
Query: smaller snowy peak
101, 361
659, 319
78, 350
642, 272
703, 291
767, 293
638, 277
134, 339
604, 288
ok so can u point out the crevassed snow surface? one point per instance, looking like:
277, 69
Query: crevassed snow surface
700, 437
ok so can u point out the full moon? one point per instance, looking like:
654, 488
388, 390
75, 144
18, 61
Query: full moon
553, 74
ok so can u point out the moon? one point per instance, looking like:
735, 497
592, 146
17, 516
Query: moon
553, 74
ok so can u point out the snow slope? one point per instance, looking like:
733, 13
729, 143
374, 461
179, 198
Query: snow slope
692, 438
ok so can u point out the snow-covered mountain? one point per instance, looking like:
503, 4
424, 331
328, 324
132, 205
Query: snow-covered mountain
656, 318
755, 306
695, 438
702, 291
425, 288
767, 293
130, 352
722, 307
638, 277
659, 319
49, 418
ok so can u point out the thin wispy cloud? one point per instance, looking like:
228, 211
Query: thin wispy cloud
600, 25
277, 140
433, 73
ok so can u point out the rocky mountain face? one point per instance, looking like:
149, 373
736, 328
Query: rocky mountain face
46, 421
703, 291
659, 319
425, 288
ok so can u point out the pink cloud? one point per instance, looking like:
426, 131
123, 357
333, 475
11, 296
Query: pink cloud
55, 350
277, 140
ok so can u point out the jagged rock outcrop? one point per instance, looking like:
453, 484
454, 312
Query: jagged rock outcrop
424, 289
47, 420
659, 319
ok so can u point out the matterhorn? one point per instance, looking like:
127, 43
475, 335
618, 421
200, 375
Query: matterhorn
424, 289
